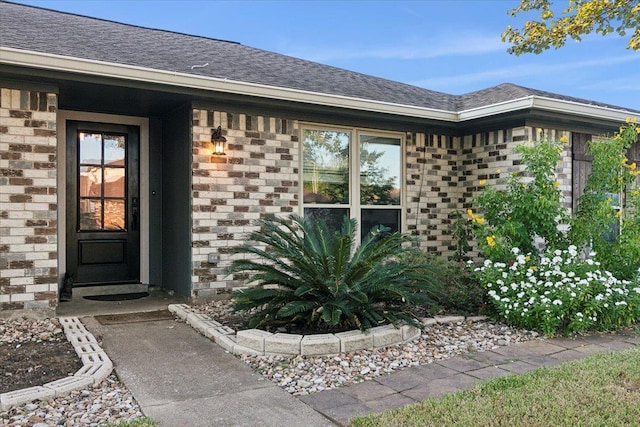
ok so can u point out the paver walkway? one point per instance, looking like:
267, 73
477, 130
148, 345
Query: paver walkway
458, 373
181, 378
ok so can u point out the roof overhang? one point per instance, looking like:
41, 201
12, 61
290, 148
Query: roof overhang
46, 61
80, 66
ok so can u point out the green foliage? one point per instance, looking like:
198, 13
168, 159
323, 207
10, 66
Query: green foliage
461, 233
608, 215
460, 291
579, 18
311, 277
559, 293
529, 208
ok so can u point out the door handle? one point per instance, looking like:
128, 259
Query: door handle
134, 213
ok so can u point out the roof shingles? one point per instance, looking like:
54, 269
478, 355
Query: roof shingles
46, 31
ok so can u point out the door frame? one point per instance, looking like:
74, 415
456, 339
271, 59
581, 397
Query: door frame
143, 124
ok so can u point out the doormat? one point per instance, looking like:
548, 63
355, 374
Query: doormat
145, 316
117, 297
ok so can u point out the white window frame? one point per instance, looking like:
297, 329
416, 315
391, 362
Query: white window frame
354, 204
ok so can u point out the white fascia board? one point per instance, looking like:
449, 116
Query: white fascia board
583, 110
46, 61
548, 104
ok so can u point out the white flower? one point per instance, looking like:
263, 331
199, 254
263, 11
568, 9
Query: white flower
515, 251
621, 303
557, 302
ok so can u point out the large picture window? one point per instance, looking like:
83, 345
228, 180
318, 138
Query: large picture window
352, 173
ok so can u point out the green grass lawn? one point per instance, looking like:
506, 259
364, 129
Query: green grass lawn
140, 422
602, 390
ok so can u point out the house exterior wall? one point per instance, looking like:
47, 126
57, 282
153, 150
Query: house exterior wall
28, 216
258, 176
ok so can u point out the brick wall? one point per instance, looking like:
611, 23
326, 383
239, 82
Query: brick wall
28, 216
432, 189
258, 176
489, 156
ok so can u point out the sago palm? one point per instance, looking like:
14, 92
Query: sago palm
305, 274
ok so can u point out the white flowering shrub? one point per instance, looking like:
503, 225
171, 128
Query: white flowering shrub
559, 293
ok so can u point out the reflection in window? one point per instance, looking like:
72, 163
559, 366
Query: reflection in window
333, 218
345, 176
326, 167
372, 218
379, 170
101, 181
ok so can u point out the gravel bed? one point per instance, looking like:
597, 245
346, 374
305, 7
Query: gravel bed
308, 374
108, 402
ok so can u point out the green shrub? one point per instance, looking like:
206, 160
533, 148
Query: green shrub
527, 210
560, 293
608, 216
459, 292
314, 278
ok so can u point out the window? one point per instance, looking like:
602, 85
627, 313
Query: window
352, 173
101, 181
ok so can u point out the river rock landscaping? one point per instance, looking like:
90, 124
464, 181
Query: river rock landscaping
48, 357
307, 374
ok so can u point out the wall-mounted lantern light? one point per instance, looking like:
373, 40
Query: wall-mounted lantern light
217, 141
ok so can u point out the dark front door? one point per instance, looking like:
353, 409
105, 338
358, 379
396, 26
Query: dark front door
103, 203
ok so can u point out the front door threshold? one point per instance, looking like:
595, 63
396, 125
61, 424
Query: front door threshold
130, 288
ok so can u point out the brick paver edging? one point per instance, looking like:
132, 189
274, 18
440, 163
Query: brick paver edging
96, 366
258, 342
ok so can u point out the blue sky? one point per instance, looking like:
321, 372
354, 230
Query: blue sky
450, 46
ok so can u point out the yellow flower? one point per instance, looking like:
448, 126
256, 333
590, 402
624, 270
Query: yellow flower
623, 161
527, 258
533, 267
556, 183
618, 214
630, 120
498, 170
637, 130
632, 166
491, 241
482, 182
564, 139
478, 220
470, 213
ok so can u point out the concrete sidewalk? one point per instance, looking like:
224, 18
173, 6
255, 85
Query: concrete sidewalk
458, 373
180, 378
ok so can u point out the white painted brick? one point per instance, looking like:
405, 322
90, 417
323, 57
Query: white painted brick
23, 281
22, 297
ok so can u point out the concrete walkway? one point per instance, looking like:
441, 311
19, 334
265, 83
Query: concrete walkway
180, 378
456, 374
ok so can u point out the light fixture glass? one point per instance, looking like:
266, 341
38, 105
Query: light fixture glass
218, 141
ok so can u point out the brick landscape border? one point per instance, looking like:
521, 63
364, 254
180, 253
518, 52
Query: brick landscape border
96, 366
258, 342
